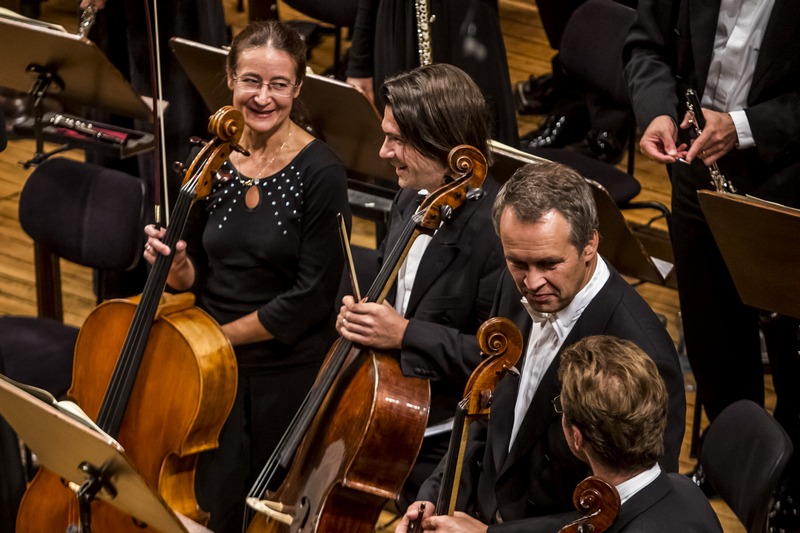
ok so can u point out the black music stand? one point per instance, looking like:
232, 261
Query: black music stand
65, 67
88, 458
617, 244
763, 255
336, 112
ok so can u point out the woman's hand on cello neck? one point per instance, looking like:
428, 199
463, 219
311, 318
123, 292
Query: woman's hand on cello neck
181, 272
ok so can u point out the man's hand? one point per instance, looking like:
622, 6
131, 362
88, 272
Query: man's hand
458, 523
658, 141
371, 324
718, 137
412, 513
364, 86
99, 4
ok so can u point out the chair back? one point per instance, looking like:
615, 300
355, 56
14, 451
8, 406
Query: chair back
744, 454
591, 47
85, 213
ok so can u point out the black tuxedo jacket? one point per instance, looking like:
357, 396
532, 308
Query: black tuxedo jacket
669, 504
669, 49
538, 475
451, 297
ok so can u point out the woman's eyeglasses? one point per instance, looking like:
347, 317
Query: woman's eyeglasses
247, 84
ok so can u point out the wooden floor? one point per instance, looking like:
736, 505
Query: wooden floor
528, 52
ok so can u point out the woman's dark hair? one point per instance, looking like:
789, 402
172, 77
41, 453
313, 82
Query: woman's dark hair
274, 34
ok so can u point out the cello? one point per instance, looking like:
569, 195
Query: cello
500, 343
159, 377
354, 439
501, 346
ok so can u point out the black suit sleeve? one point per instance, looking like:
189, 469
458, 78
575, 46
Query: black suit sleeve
648, 51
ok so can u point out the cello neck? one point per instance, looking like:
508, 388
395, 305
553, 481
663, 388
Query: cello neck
119, 388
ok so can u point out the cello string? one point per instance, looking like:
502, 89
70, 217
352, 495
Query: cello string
311, 403
126, 369
314, 398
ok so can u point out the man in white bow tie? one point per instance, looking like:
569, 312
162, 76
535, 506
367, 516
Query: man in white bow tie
518, 466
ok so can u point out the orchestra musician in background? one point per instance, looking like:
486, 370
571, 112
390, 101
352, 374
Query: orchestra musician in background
743, 61
445, 286
120, 30
518, 465
464, 33
263, 256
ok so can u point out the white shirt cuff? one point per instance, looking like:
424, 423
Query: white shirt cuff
742, 129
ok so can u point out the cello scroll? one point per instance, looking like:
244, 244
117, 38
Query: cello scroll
598, 502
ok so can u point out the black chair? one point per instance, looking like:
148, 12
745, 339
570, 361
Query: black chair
591, 55
744, 455
84, 214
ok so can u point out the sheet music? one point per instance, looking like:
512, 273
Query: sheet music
770, 203
69, 408
7, 13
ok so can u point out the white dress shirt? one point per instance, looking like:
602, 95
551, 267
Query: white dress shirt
408, 270
408, 273
740, 28
626, 489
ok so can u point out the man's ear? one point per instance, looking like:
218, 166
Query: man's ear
590, 250
576, 438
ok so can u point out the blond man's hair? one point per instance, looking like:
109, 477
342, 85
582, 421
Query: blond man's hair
612, 391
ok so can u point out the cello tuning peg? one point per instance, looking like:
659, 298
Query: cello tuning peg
197, 141
178, 168
241, 149
447, 213
475, 193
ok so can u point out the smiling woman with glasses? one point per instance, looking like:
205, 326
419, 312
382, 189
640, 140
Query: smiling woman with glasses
265, 262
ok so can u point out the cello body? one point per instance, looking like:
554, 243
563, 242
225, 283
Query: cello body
357, 452
181, 398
